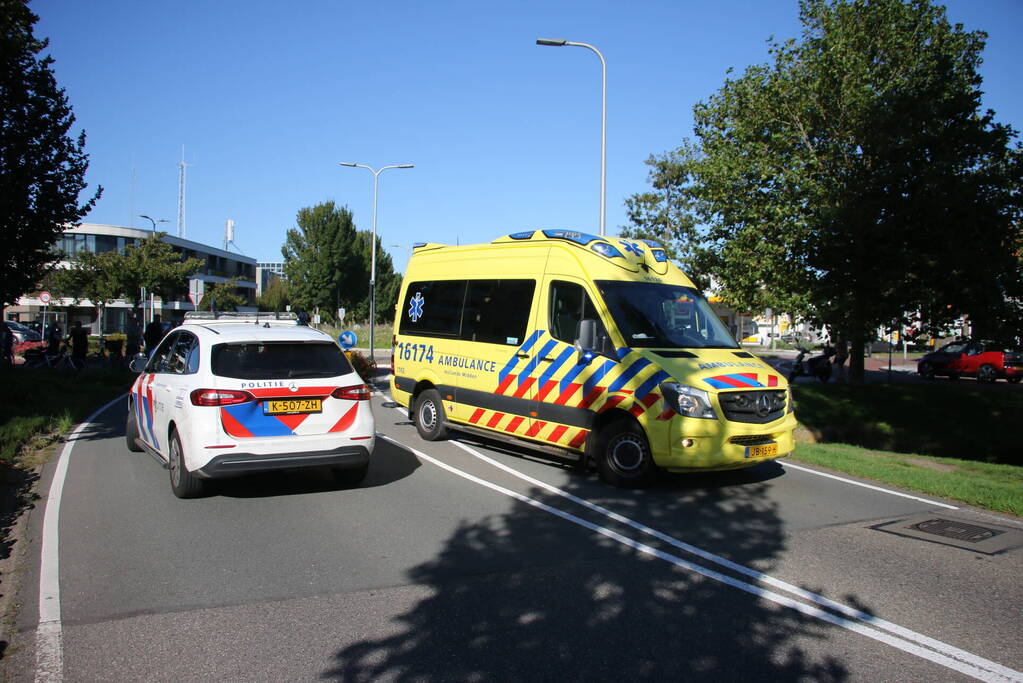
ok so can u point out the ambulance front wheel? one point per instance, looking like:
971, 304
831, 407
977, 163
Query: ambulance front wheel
429, 416
624, 459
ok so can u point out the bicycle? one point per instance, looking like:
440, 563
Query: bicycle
53, 361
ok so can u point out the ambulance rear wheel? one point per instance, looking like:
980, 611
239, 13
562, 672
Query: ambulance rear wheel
429, 416
624, 459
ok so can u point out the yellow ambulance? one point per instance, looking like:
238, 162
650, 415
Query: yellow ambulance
592, 349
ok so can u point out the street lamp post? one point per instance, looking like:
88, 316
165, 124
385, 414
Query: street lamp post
373, 248
603, 116
408, 252
154, 221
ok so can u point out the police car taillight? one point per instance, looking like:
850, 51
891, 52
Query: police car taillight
358, 392
219, 397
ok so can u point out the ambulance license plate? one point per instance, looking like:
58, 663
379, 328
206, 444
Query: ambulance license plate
763, 451
293, 406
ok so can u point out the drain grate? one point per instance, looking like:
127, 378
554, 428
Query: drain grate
971, 533
986, 539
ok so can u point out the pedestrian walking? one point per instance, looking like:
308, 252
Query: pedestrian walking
79, 339
841, 355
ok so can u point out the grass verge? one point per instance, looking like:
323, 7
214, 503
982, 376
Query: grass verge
39, 406
942, 419
996, 487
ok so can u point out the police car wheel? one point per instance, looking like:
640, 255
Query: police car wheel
429, 416
131, 431
183, 483
625, 459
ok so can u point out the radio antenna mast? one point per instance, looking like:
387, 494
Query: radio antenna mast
181, 194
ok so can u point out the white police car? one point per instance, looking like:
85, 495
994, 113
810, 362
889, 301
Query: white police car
229, 394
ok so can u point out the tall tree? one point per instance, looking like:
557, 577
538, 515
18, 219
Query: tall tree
42, 169
320, 261
327, 264
854, 179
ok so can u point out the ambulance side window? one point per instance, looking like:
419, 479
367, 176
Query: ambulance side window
497, 311
570, 304
433, 308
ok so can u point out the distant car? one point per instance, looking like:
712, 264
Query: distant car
21, 333
984, 360
225, 395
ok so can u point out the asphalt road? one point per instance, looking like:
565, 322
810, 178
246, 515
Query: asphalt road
458, 560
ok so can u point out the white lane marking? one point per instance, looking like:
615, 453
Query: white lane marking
787, 465
979, 668
746, 571
49, 636
1002, 672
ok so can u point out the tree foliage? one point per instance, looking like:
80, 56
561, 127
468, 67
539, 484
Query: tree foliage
275, 297
853, 180
327, 264
221, 296
42, 169
152, 264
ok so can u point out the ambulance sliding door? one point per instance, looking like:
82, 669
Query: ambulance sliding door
491, 392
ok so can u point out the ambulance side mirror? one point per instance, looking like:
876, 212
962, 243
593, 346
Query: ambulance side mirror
589, 345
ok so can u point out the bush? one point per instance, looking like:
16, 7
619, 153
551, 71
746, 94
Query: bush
362, 365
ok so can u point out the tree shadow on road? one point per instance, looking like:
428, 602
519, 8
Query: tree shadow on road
528, 595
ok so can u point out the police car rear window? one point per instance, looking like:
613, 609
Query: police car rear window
279, 360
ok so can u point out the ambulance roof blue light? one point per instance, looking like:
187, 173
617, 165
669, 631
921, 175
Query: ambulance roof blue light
607, 250
525, 235
659, 255
652, 244
570, 235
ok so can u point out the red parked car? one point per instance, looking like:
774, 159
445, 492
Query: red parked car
986, 361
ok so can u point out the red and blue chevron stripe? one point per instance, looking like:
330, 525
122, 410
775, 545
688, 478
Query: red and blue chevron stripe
741, 380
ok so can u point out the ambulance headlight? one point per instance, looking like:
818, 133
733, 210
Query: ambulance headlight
688, 401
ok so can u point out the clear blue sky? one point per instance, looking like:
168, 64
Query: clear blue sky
267, 97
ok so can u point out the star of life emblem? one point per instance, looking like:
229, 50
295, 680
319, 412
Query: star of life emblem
415, 307
633, 247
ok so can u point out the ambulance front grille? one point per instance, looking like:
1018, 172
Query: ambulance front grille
752, 440
755, 407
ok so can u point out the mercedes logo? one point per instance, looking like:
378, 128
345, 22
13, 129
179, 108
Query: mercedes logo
292, 387
763, 405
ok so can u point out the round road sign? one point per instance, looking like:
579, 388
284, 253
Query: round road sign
347, 339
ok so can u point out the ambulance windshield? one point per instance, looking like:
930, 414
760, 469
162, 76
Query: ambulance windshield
664, 316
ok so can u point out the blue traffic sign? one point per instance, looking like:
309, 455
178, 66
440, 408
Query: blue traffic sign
347, 339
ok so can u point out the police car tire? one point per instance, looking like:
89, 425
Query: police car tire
184, 484
350, 476
131, 431
429, 416
624, 459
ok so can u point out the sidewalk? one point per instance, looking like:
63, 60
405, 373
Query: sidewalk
875, 366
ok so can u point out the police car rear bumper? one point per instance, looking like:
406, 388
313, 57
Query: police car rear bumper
234, 464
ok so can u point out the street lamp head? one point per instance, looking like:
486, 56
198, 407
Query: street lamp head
554, 42
405, 166
347, 163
